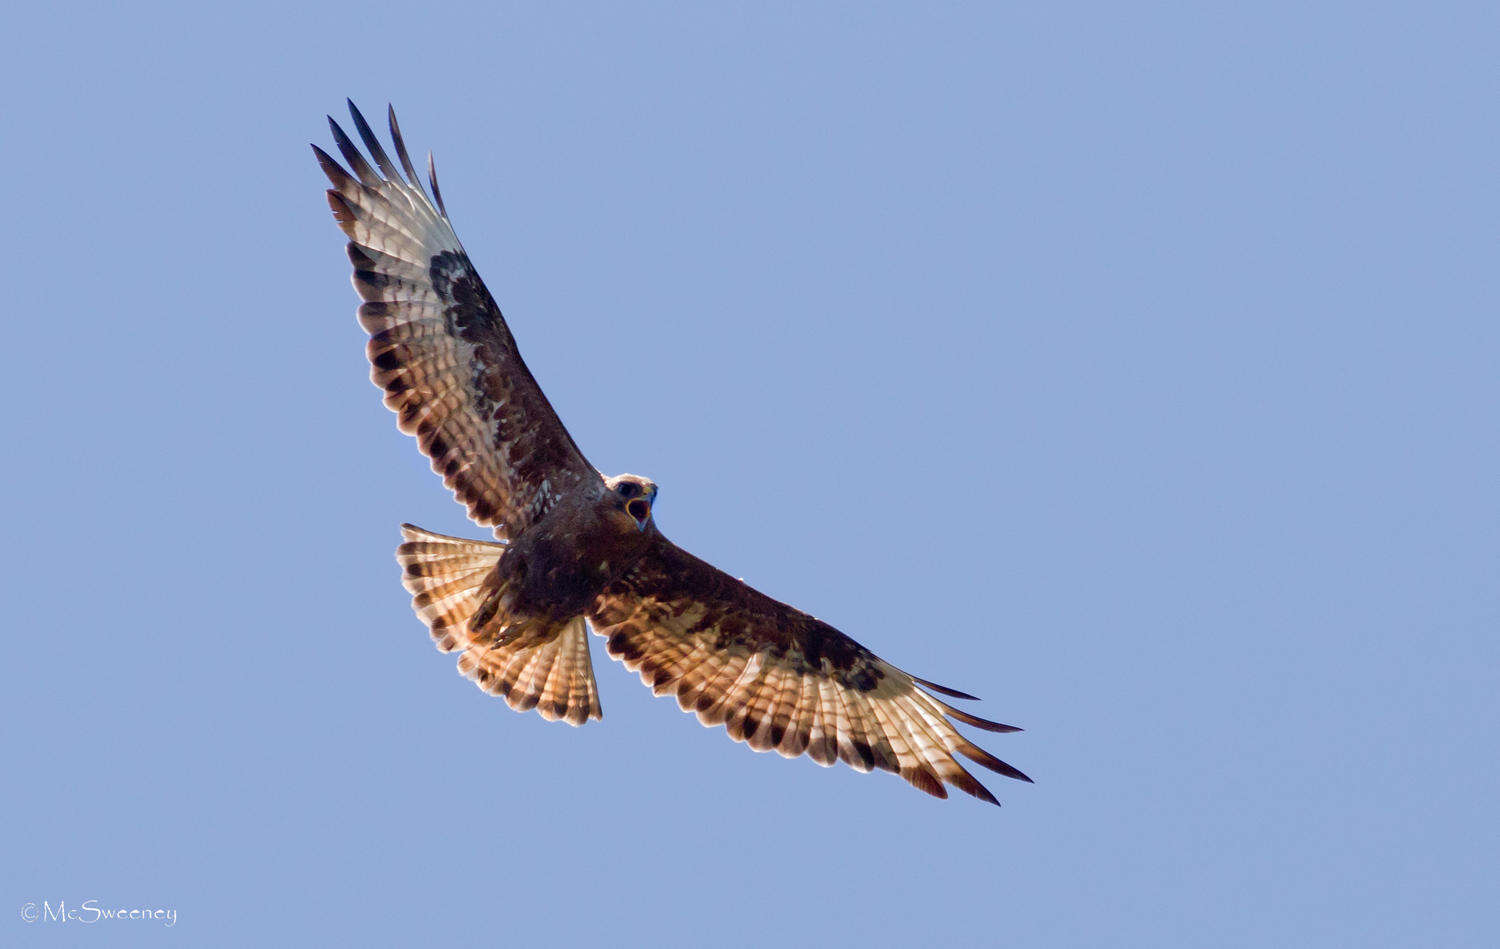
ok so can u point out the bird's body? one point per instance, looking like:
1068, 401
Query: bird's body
575, 550
557, 567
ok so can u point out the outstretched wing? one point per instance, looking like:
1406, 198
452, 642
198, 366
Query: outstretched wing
438, 345
778, 678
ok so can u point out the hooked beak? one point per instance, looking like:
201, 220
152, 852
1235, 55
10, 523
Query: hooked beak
640, 509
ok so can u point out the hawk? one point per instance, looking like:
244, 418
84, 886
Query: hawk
574, 549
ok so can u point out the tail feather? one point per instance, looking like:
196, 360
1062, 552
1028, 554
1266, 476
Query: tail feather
443, 575
553, 674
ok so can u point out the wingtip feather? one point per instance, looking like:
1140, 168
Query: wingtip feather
372, 143
437, 193
401, 153
945, 690
357, 163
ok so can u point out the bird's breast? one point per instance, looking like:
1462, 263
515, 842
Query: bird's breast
569, 563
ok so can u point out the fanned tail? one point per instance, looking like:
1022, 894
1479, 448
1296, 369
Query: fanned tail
552, 674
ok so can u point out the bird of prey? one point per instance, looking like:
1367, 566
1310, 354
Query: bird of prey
574, 549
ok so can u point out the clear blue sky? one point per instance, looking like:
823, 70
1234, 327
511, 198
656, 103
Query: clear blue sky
1133, 367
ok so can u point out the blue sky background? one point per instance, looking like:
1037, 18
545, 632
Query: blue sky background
1131, 366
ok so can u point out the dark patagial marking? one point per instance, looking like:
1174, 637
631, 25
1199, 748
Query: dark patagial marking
864, 678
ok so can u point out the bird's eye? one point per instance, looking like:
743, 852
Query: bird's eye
628, 489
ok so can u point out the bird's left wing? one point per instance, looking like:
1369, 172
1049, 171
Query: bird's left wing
438, 345
777, 678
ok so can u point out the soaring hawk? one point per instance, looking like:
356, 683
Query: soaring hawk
575, 549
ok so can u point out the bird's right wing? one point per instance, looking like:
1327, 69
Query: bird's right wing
438, 345
776, 677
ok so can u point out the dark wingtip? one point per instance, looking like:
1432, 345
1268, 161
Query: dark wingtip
372, 143
1013, 772
979, 755
357, 163
360, 125
967, 783
332, 169
959, 715
401, 153
945, 690
437, 194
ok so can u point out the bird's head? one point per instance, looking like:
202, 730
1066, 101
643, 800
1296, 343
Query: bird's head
632, 495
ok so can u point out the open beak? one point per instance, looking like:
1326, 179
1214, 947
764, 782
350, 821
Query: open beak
640, 509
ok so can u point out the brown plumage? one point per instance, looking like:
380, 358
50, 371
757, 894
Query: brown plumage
575, 549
